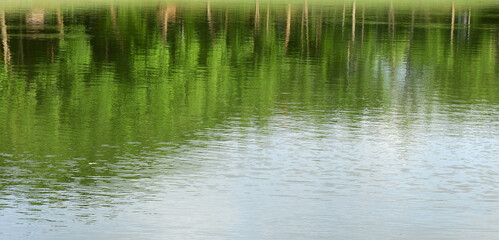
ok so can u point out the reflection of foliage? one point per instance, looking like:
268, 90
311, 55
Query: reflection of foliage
113, 70
114, 78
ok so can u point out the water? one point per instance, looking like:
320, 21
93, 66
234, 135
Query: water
262, 120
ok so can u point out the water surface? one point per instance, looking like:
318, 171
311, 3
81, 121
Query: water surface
262, 120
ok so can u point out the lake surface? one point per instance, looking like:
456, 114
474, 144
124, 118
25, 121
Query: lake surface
261, 120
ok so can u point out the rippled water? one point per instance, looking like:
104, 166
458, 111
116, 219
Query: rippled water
262, 120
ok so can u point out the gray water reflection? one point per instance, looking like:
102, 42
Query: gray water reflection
254, 121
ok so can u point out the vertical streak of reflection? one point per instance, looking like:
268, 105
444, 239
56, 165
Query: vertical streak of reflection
348, 57
391, 28
305, 22
165, 25
114, 22
412, 25
318, 31
343, 20
453, 12
353, 20
288, 27
469, 22
301, 28
5, 42
209, 19
363, 20
267, 21
391, 19
226, 20
113, 17
60, 23
20, 48
257, 16
409, 43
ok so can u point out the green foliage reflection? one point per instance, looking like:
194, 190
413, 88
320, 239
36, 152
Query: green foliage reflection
80, 86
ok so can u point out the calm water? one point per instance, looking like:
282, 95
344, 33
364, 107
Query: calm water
262, 120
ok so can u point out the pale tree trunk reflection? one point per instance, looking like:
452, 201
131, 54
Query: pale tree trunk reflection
5, 42
60, 23
288, 27
257, 17
453, 19
469, 22
391, 20
210, 20
114, 22
343, 20
267, 21
164, 32
304, 28
353, 21
167, 14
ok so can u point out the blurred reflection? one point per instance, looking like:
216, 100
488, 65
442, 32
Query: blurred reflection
167, 14
128, 50
35, 18
103, 97
5, 43
60, 22
288, 27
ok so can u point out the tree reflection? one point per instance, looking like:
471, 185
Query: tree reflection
5, 42
110, 80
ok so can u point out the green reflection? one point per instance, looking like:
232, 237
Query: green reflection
89, 92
